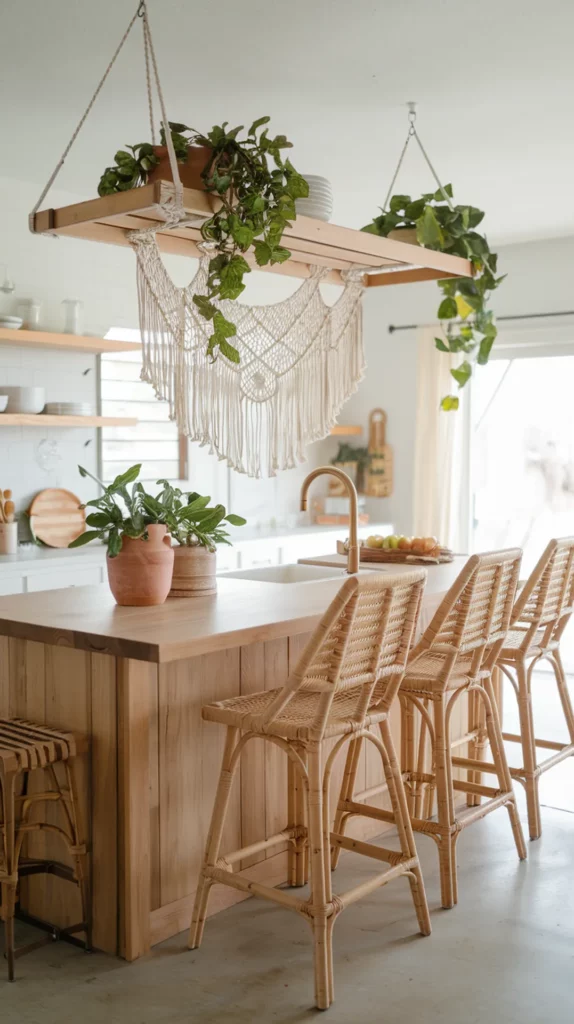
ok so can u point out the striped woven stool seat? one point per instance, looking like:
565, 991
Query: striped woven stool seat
425, 674
25, 746
295, 720
520, 643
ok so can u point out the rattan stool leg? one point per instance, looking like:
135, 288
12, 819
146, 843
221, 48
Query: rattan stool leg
213, 839
528, 751
297, 853
445, 801
322, 945
407, 840
8, 796
408, 747
346, 793
476, 747
499, 758
556, 661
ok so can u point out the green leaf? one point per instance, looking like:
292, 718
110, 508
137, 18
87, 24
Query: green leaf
85, 538
257, 124
223, 326
439, 196
100, 519
447, 309
399, 203
235, 520
114, 543
126, 478
439, 343
462, 373
279, 254
429, 230
414, 210
205, 307
449, 403
484, 349
263, 253
297, 187
229, 351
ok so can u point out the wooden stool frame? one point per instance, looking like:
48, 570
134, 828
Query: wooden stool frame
26, 748
455, 655
369, 624
540, 616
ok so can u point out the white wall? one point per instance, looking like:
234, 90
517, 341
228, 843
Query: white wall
540, 280
103, 277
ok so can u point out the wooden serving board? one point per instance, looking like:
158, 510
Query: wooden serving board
401, 557
55, 517
379, 476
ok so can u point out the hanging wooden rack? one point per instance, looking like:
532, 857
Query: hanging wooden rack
312, 242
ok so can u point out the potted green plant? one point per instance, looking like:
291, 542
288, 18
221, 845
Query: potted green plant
256, 188
198, 529
140, 555
435, 223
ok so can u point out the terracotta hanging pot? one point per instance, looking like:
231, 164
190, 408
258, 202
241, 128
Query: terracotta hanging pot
193, 572
190, 172
141, 574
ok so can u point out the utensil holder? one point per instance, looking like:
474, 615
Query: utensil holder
8, 538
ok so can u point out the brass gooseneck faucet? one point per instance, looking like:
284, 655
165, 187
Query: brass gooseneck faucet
353, 554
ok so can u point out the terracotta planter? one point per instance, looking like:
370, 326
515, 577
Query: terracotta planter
141, 574
190, 171
408, 235
193, 572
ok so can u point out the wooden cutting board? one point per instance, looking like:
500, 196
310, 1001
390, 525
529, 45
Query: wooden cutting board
379, 476
55, 517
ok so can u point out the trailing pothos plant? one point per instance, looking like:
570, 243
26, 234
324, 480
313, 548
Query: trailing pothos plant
256, 187
189, 518
470, 328
121, 512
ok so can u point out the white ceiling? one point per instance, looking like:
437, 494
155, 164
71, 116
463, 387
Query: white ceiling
494, 80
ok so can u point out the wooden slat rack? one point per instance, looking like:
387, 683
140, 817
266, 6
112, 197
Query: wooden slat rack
312, 242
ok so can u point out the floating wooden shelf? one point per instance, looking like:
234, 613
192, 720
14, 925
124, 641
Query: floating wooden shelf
345, 431
20, 419
312, 242
76, 342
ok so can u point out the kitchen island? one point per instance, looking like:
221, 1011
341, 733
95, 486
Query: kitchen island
133, 681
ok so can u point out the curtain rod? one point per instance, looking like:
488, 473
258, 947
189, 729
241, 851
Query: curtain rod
518, 316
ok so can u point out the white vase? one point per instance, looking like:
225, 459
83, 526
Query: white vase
8, 538
73, 316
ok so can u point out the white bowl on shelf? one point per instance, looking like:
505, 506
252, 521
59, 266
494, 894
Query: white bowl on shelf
29, 401
12, 323
3, 402
319, 202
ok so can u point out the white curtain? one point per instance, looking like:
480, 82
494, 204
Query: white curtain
442, 456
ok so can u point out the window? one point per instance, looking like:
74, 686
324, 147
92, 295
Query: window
154, 441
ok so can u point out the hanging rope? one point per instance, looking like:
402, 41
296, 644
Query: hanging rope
413, 134
174, 212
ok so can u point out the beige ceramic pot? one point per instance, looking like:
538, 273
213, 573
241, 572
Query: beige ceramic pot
408, 235
141, 574
193, 572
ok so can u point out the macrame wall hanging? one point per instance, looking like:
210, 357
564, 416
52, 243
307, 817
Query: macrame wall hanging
300, 359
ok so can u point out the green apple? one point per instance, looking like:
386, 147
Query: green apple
393, 542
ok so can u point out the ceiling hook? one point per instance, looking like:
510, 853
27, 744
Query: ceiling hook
412, 107
141, 9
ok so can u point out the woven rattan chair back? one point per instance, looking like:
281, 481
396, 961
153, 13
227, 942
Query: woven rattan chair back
547, 598
473, 618
363, 638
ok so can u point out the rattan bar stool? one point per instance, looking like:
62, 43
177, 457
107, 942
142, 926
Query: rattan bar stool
26, 748
540, 615
455, 655
345, 681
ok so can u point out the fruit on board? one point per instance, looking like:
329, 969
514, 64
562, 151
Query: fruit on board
405, 543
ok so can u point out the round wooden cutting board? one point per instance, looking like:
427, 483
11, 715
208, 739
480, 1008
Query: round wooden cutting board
55, 517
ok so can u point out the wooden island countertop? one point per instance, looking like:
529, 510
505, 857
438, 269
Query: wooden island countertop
243, 611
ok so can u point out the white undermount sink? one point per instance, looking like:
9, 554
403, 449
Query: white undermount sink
291, 573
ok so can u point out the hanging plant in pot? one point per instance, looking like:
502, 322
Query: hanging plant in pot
433, 221
198, 530
140, 555
256, 188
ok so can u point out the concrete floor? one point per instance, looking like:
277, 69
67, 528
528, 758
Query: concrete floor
505, 955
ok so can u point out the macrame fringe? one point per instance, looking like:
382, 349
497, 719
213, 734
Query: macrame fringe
300, 362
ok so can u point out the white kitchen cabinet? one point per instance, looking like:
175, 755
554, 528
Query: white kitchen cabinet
54, 579
11, 584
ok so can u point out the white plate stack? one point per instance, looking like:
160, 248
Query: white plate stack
13, 323
319, 203
68, 409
